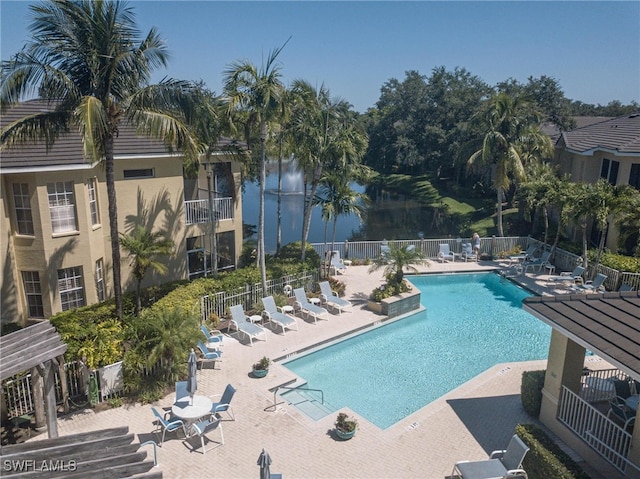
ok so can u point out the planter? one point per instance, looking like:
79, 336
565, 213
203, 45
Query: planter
396, 305
260, 373
344, 435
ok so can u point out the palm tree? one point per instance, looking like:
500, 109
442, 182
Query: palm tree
511, 137
397, 259
583, 204
144, 248
258, 93
87, 58
327, 136
538, 191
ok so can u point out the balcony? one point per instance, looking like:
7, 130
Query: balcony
197, 211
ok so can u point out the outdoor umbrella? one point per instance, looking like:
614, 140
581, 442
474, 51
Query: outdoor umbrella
192, 369
264, 461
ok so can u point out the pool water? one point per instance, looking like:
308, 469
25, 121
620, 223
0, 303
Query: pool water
471, 323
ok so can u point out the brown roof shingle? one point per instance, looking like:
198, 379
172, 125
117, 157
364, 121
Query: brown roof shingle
619, 135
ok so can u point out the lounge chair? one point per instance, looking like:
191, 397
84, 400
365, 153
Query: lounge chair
501, 464
244, 326
384, 249
621, 413
445, 253
277, 315
208, 356
337, 266
303, 305
571, 276
330, 298
224, 405
594, 286
625, 287
528, 255
167, 423
214, 338
539, 263
467, 252
203, 427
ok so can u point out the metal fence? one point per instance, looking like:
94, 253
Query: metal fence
250, 295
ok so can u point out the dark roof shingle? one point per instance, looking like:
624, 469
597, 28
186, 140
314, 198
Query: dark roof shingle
619, 135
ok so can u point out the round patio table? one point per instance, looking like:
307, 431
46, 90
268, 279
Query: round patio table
190, 411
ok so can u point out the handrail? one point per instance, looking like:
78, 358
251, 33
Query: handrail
301, 386
155, 451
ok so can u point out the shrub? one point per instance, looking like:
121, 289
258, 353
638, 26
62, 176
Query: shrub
531, 391
390, 289
545, 459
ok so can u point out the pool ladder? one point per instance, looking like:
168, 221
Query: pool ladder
299, 387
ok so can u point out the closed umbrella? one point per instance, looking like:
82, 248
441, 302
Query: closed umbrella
192, 369
264, 461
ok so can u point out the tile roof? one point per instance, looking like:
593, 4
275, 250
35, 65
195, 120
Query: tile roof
608, 324
67, 151
619, 135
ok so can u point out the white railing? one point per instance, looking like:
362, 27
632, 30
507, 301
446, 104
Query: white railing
603, 435
197, 211
250, 295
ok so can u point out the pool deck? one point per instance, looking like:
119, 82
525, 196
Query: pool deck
467, 423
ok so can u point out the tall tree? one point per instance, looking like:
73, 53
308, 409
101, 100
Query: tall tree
510, 128
145, 248
88, 59
257, 92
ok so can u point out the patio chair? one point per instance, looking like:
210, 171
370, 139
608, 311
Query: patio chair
330, 298
539, 263
337, 266
208, 356
621, 413
303, 305
445, 253
203, 427
594, 286
384, 249
240, 321
277, 315
501, 464
224, 405
467, 252
167, 423
214, 338
625, 287
181, 390
571, 276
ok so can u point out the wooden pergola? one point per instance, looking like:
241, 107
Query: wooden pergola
38, 348
105, 454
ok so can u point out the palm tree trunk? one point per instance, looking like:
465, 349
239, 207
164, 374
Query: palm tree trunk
309, 210
585, 260
113, 226
279, 209
263, 177
138, 300
499, 211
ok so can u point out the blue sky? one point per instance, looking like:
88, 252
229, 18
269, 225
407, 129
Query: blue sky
592, 48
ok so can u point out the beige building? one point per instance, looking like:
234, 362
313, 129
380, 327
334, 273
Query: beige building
55, 251
608, 149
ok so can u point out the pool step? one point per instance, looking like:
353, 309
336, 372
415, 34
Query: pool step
309, 402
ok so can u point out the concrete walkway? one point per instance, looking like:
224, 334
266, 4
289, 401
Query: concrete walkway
467, 423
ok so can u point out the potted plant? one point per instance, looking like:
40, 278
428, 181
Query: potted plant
261, 368
345, 426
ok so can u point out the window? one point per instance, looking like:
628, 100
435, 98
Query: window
33, 293
62, 206
634, 176
93, 201
24, 220
140, 173
71, 287
609, 170
100, 279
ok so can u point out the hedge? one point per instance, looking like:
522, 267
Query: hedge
545, 459
531, 391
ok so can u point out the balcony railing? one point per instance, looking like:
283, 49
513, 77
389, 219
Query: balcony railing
197, 211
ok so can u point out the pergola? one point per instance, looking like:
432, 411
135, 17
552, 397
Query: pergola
38, 348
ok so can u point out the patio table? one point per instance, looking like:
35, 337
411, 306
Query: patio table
190, 411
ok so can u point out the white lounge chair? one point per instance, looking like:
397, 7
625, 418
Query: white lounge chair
595, 286
539, 263
330, 298
338, 266
303, 305
467, 252
242, 324
571, 276
445, 253
276, 315
501, 464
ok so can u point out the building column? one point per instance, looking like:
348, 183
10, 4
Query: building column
634, 450
564, 368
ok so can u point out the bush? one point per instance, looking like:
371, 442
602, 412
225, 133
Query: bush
531, 391
545, 459
390, 289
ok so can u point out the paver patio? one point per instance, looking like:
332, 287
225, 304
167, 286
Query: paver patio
467, 423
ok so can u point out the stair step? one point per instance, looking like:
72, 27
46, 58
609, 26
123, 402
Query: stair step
308, 402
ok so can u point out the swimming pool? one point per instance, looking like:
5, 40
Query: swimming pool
471, 323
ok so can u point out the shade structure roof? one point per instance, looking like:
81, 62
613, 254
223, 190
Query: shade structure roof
29, 347
607, 324
106, 453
